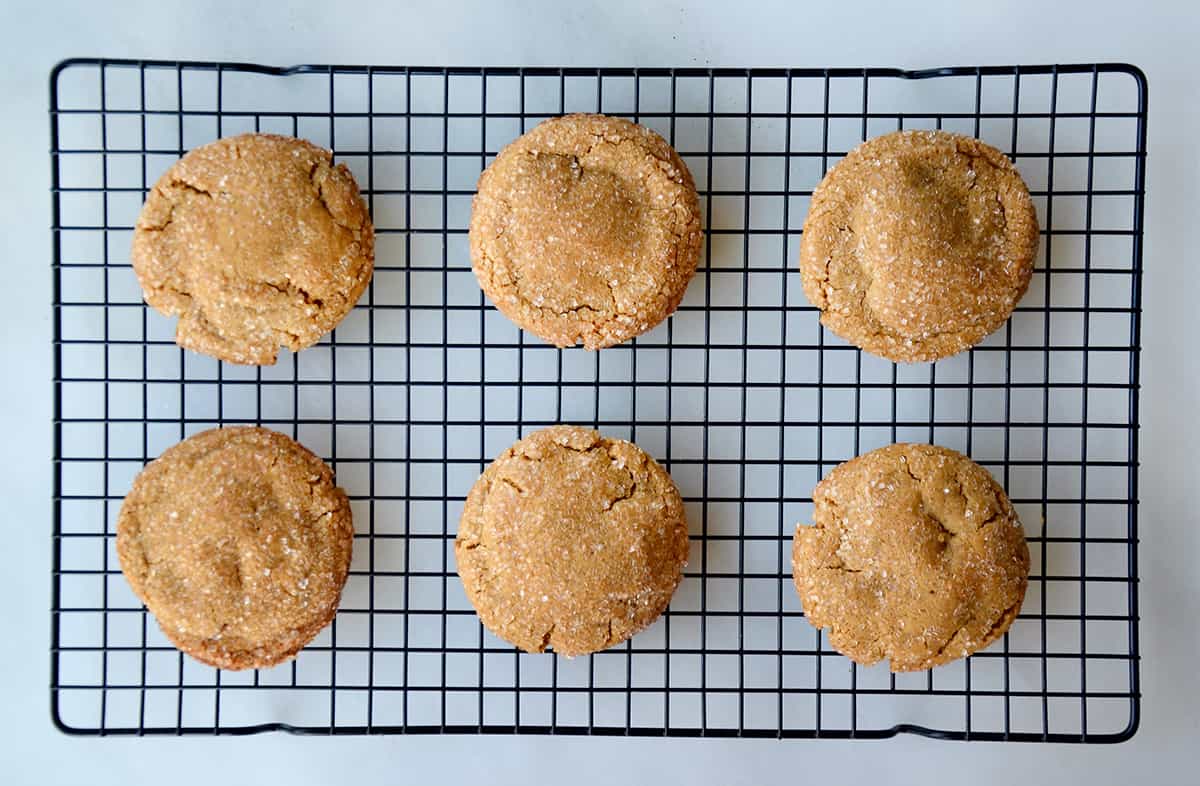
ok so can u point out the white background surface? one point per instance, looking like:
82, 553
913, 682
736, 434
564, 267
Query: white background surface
1162, 41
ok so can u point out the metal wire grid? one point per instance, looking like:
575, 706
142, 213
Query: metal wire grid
741, 395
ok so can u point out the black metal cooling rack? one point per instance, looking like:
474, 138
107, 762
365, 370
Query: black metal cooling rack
741, 394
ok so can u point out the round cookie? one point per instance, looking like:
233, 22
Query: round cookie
586, 229
238, 541
915, 555
256, 241
918, 244
572, 541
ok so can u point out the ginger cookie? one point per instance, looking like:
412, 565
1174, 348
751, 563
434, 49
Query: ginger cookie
256, 241
915, 555
918, 244
586, 230
571, 541
238, 542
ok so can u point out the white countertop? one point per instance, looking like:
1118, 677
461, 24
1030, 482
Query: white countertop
615, 33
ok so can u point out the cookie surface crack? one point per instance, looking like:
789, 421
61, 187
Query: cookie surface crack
184, 184
291, 288
1003, 621
842, 567
511, 484
170, 193
941, 651
546, 637
322, 167
628, 494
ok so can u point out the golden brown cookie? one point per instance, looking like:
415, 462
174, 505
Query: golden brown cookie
256, 242
572, 541
586, 229
915, 555
918, 244
238, 542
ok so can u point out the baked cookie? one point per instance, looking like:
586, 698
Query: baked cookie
256, 242
238, 542
572, 541
918, 244
586, 229
915, 555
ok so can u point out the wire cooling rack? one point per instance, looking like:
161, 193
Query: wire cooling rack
740, 394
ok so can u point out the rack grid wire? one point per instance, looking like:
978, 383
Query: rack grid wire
741, 395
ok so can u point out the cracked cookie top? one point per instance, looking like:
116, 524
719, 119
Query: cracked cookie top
915, 555
238, 542
571, 541
586, 230
256, 241
918, 244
